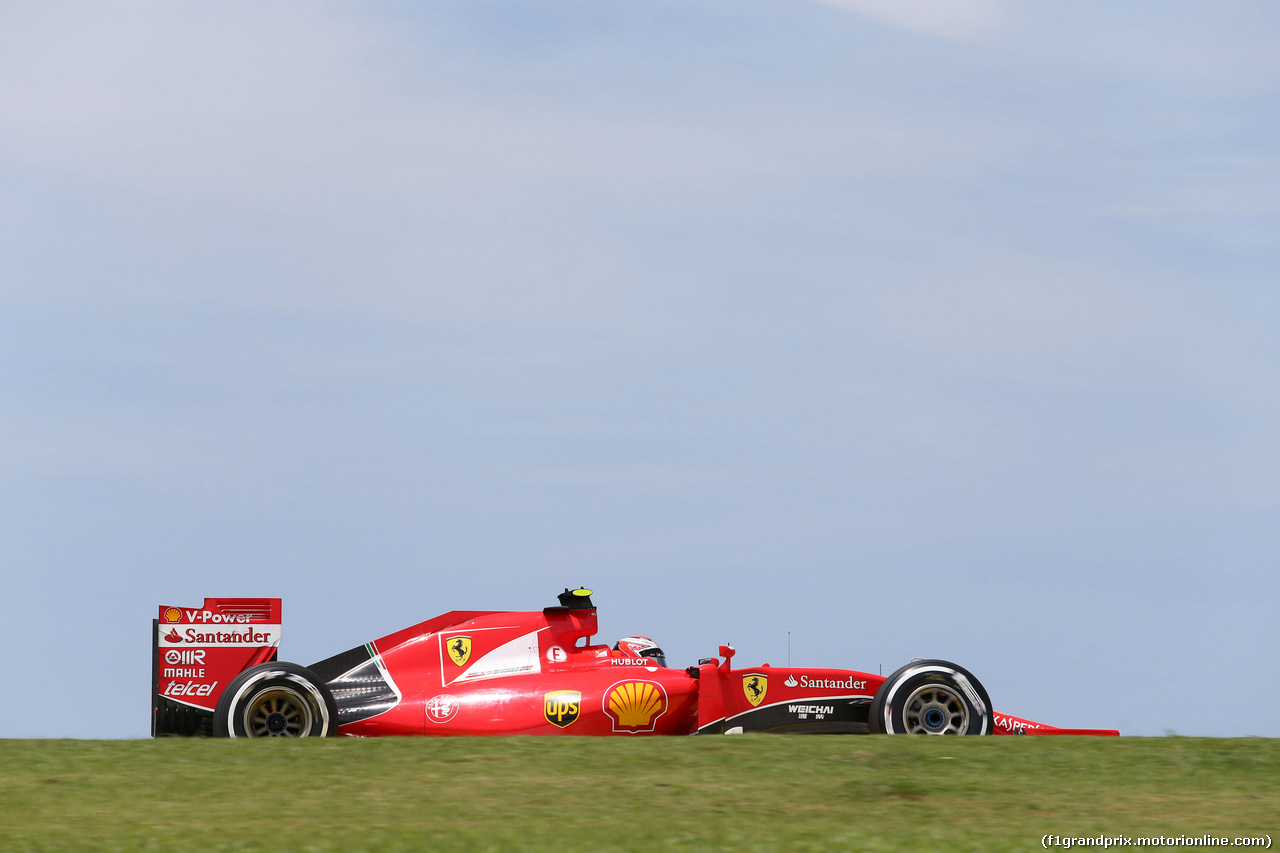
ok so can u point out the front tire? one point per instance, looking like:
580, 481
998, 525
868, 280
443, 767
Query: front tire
933, 697
276, 699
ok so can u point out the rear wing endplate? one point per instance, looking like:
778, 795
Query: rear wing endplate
197, 651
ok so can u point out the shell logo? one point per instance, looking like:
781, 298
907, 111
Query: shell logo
635, 706
173, 614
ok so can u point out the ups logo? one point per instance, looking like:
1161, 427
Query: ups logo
562, 707
754, 687
459, 650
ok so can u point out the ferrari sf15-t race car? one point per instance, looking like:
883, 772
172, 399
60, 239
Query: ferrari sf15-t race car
215, 671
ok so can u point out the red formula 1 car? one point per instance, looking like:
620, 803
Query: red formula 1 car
527, 673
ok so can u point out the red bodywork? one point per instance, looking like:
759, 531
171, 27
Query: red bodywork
510, 673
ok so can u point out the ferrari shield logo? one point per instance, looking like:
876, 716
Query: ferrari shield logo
754, 687
459, 650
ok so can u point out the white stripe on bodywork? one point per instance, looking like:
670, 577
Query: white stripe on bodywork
514, 657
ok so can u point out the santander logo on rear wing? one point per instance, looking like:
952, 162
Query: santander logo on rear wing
197, 651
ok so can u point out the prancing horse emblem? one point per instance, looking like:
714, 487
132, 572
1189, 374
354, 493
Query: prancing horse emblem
459, 650
755, 686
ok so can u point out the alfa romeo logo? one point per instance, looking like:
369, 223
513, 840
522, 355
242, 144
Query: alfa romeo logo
442, 708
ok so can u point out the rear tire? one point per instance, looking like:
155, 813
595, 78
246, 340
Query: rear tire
933, 697
276, 699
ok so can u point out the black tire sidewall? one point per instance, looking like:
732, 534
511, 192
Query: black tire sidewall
897, 687
228, 718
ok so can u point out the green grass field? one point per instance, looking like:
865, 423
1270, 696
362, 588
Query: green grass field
581, 794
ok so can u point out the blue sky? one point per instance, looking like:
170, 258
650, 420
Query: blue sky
914, 329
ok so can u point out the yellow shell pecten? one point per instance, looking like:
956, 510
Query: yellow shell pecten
635, 703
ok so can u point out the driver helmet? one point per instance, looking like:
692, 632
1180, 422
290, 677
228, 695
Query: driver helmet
640, 647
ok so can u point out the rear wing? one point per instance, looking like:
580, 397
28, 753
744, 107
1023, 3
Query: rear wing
197, 651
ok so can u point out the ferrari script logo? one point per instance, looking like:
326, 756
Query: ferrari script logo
562, 707
755, 686
459, 650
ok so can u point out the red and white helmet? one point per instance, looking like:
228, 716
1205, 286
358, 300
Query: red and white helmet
640, 647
